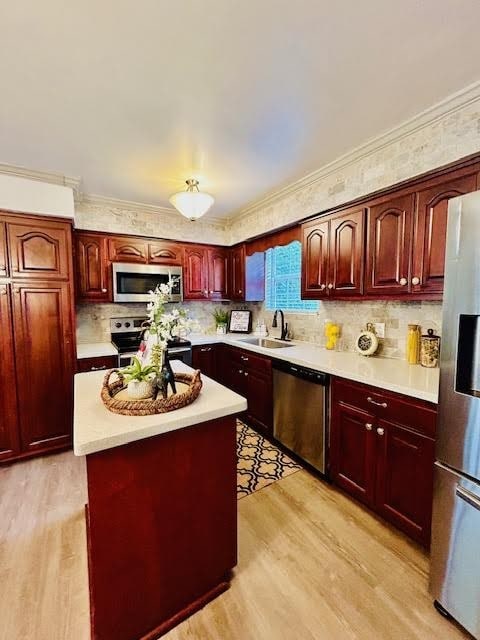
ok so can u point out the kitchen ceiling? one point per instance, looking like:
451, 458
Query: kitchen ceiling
245, 95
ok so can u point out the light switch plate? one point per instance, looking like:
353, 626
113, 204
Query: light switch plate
379, 329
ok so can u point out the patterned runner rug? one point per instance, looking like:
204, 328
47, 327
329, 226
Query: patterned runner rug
259, 462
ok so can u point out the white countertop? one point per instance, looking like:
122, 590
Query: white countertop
386, 373
95, 350
95, 428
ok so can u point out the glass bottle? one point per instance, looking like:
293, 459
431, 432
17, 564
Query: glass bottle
413, 344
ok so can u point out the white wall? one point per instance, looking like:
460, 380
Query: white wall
33, 196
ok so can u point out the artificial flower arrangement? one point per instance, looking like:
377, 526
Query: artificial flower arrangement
162, 327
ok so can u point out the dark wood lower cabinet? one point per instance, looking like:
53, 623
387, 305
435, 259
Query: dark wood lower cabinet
384, 456
204, 357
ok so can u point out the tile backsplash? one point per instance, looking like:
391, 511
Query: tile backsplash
93, 320
353, 317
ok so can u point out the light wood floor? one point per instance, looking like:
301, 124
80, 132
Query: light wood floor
313, 566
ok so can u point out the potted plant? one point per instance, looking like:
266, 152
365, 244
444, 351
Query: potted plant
221, 320
140, 379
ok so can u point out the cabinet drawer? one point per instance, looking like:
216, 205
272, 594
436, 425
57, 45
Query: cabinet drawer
165, 253
96, 364
259, 364
412, 413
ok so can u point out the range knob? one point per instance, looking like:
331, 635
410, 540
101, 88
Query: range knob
118, 324
127, 324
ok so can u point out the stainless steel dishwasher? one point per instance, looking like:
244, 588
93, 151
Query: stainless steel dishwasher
300, 411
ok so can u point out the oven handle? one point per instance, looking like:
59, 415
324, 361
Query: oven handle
178, 349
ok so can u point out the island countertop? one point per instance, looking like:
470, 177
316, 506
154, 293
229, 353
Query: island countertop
95, 428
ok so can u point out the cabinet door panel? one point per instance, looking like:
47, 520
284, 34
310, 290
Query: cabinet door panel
259, 392
93, 278
3, 251
127, 250
9, 440
352, 450
165, 253
195, 273
203, 358
345, 265
237, 273
217, 274
431, 231
314, 259
388, 248
404, 479
39, 250
44, 359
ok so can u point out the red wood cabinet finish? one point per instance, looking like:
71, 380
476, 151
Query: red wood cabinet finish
92, 268
431, 228
388, 246
315, 259
40, 250
204, 358
218, 272
44, 362
9, 436
237, 273
165, 253
96, 364
195, 273
127, 250
161, 528
3, 250
382, 453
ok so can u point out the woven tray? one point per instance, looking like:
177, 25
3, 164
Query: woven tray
192, 385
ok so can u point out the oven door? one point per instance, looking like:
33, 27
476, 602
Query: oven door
180, 353
132, 282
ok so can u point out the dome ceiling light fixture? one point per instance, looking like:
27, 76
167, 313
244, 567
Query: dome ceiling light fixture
192, 203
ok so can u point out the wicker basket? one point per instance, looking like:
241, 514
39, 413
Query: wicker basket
150, 406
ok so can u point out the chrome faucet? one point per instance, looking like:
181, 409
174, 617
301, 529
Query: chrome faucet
284, 327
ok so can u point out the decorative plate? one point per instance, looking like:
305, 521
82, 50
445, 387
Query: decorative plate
366, 343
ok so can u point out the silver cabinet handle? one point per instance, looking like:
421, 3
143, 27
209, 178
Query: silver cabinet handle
380, 431
240, 371
468, 496
98, 368
378, 404
203, 349
240, 291
104, 290
403, 281
330, 285
323, 287
369, 426
246, 373
244, 358
415, 280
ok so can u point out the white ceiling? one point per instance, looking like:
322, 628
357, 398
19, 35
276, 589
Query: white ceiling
248, 95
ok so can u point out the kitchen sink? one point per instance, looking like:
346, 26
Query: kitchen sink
268, 344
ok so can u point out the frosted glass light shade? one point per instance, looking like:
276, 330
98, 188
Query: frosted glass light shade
192, 204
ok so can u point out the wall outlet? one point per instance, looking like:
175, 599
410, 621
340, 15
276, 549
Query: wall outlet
379, 329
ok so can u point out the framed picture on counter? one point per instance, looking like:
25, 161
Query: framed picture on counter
240, 321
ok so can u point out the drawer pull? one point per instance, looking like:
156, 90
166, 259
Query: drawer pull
403, 281
378, 404
380, 431
204, 349
104, 290
244, 358
98, 368
369, 426
246, 373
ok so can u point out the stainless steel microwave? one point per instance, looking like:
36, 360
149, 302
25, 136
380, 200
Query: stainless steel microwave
132, 282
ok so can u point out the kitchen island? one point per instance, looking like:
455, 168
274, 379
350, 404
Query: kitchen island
162, 508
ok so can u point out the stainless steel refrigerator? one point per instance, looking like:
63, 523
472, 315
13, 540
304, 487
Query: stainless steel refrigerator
455, 550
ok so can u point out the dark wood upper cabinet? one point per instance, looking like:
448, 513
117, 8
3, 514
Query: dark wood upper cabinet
92, 268
165, 253
44, 363
127, 250
9, 437
346, 254
237, 273
315, 246
430, 231
388, 246
3, 250
218, 264
195, 273
40, 250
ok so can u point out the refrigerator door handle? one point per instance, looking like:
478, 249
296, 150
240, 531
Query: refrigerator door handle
469, 497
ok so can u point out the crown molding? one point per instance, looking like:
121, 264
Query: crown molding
51, 177
140, 207
443, 109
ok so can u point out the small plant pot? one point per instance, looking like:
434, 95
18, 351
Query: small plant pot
140, 389
221, 329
